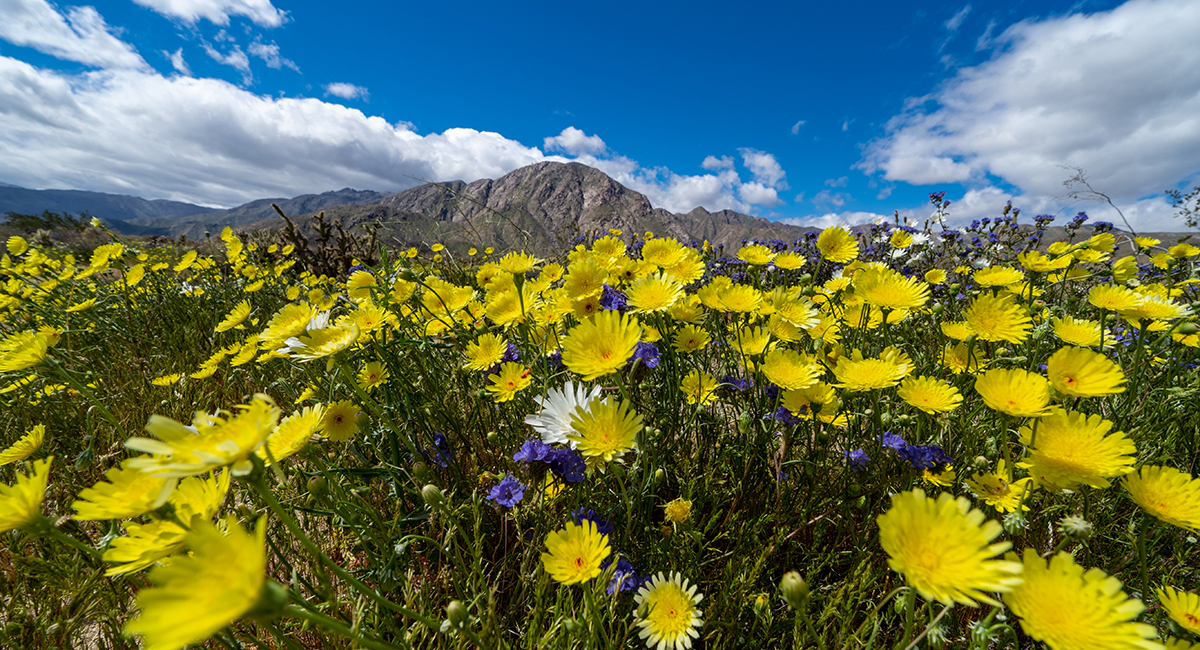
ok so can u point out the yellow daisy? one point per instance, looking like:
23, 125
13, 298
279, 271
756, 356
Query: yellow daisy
755, 255
211, 442
790, 370
651, 293
601, 345
997, 276
929, 394
998, 318
485, 352
1169, 494
293, 433
512, 378
25, 447
1077, 331
858, 374
1079, 372
837, 245
235, 317
605, 430
1111, 297
667, 612
1182, 607
699, 388
889, 289
1068, 449
574, 554
943, 548
1014, 392
372, 375
198, 594
128, 493
339, 422
690, 338
21, 502
1067, 608
997, 489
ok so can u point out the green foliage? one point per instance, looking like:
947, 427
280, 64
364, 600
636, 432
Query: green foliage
47, 220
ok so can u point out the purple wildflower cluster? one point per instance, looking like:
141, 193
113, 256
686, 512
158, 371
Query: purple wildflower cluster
507, 492
566, 463
442, 453
920, 457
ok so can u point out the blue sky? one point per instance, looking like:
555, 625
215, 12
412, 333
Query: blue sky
813, 113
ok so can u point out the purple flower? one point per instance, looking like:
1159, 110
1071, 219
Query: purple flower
611, 299
442, 453
857, 459
625, 577
587, 514
567, 464
647, 353
783, 415
924, 456
532, 450
890, 440
740, 385
508, 492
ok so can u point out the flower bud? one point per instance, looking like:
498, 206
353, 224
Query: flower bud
271, 601
1076, 528
1187, 329
317, 486
795, 590
420, 470
457, 613
433, 496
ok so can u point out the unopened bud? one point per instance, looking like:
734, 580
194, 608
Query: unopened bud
795, 590
457, 613
420, 470
1076, 528
1187, 329
433, 496
938, 308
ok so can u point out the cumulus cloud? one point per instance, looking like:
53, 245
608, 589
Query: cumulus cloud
213, 143
714, 163
177, 62
828, 197
834, 219
270, 54
81, 35
348, 91
260, 12
1083, 90
575, 142
234, 58
764, 167
759, 194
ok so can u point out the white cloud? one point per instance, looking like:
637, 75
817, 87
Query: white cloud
213, 143
575, 142
837, 182
1083, 90
270, 54
834, 219
956, 21
713, 163
177, 62
261, 12
827, 197
764, 167
235, 59
759, 194
349, 91
796, 127
81, 35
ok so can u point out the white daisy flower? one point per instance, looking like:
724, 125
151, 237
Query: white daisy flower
553, 423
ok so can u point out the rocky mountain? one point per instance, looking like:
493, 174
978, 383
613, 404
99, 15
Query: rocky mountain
541, 208
106, 206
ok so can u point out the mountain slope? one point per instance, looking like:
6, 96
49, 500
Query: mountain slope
106, 206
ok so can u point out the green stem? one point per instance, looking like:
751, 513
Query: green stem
83, 390
293, 527
910, 605
46, 528
338, 627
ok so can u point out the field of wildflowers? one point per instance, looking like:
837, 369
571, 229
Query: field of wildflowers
893, 438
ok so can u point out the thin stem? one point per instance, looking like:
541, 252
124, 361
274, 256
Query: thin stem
293, 527
337, 627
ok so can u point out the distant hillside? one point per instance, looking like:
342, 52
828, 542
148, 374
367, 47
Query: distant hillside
540, 208
195, 225
106, 206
